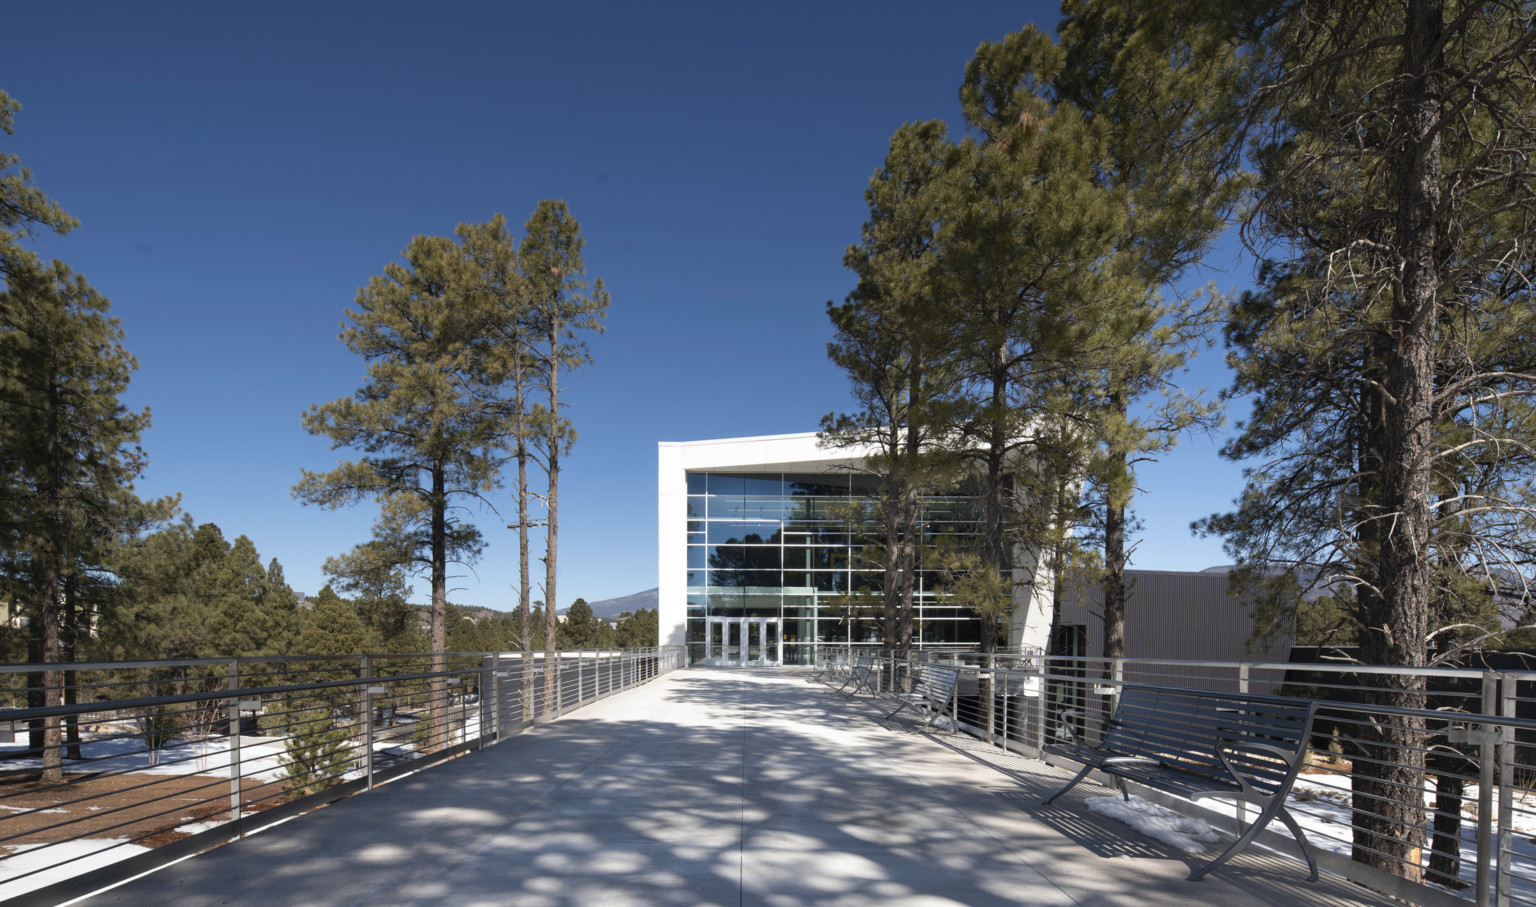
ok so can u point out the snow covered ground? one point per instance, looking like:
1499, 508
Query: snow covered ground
1321, 805
113, 751
58, 862
260, 757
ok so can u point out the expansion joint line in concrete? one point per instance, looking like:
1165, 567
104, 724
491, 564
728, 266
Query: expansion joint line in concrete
741, 835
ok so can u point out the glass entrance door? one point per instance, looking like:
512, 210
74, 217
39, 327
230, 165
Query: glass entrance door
743, 642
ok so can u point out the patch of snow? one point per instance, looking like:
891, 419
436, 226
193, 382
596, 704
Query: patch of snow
1188, 835
260, 758
58, 862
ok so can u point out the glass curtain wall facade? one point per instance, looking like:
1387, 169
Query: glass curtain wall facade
799, 551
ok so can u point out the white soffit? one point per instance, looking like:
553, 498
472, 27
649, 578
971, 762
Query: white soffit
768, 453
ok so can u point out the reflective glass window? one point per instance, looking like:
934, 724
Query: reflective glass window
727, 579
737, 532
763, 485
698, 557
758, 507
727, 484
764, 558
724, 601
827, 581
695, 483
866, 581
816, 486
726, 507
866, 485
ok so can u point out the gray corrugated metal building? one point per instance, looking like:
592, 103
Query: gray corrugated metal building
1170, 614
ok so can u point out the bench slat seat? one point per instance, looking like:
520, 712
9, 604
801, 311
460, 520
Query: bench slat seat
860, 676
1199, 745
932, 691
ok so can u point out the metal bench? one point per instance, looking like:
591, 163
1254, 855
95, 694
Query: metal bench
860, 675
932, 691
1203, 745
829, 667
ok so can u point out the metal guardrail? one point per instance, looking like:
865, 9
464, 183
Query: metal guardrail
1476, 734
147, 762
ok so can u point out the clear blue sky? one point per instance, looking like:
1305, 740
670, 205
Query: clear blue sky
240, 169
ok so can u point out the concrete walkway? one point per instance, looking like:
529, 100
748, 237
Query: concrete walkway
718, 787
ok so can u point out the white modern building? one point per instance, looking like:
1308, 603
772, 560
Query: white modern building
759, 556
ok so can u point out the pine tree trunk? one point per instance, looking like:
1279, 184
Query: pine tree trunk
994, 552
1389, 817
71, 677
909, 515
1445, 851
524, 592
437, 723
910, 506
50, 591
552, 528
1114, 588
36, 735
890, 587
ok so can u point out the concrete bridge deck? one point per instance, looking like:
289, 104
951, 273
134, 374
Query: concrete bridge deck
720, 787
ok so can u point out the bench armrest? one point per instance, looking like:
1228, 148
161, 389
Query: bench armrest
1139, 760
1064, 724
1292, 759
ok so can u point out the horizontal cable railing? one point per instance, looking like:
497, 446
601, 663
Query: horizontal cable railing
1471, 826
140, 763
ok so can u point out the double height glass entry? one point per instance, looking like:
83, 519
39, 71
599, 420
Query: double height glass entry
743, 641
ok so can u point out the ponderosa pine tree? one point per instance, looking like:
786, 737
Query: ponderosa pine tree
562, 310
1384, 346
68, 452
317, 749
499, 282
892, 344
252, 609
428, 439
23, 206
381, 595
1151, 86
1026, 228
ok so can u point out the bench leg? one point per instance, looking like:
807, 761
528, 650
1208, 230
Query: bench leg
1244, 840
1301, 841
1070, 784
898, 709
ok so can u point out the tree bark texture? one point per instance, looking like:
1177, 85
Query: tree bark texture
1388, 783
437, 723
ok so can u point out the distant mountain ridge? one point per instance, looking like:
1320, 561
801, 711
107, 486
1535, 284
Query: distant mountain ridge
611, 608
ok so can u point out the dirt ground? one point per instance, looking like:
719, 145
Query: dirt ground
145, 808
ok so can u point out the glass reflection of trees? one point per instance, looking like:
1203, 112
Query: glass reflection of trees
821, 534
748, 561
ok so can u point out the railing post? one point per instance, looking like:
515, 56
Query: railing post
1042, 706
234, 740
1005, 713
365, 673
988, 687
1486, 756
1242, 677
489, 726
1506, 790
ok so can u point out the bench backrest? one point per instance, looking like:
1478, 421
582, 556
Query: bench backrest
937, 685
1184, 729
